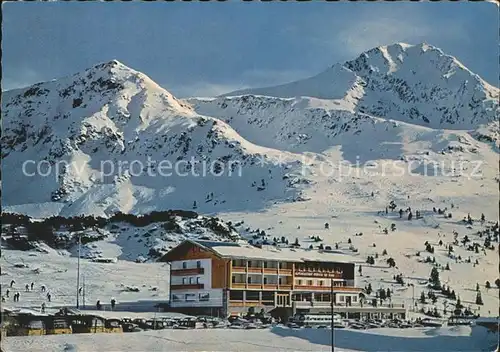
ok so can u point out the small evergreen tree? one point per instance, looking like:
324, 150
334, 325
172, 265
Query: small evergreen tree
434, 279
381, 294
479, 299
488, 285
422, 297
477, 287
391, 262
447, 267
384, 252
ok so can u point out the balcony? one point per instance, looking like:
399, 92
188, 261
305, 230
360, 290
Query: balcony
273, 271
238, 285
285, 272
187, 272
270, 286
254, 286
327, 288
285, 287
238, 269
255, 270
187, 287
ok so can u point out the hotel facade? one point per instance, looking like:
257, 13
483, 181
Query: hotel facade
224, 278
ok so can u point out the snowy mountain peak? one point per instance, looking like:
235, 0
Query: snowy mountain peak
419, 84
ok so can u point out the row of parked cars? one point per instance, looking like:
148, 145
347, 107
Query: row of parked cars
199, 322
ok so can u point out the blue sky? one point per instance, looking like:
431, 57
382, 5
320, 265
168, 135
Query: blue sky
212, 48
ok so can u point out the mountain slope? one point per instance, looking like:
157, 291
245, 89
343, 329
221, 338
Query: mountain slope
109, 139
418, 84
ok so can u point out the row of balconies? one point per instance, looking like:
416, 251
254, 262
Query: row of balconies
254, 270
258, 286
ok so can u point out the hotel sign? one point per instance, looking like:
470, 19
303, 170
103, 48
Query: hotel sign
330, 275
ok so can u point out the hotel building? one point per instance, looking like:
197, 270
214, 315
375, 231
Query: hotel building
223, 278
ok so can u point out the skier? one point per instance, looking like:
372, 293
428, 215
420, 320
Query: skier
32, 286
48, 296
43, 307
12, 283
43, 288
27, 288
98, 305
7, 293
80, 290
113, 303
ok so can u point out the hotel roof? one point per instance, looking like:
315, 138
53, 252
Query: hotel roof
235, 250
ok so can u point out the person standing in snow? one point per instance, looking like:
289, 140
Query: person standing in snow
113, 303
27, 287
98, 305
32, 286
12, 283
43, 288
48, 296
7, 293
43, 307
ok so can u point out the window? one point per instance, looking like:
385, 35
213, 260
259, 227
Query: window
249, 280
184, 281
341, 298
198, 280
310, 282
299, 282
321, 282
265, 280
190, 297
354, 298
233, 280
176, 298
190, 280
280, 281
184, 265
204, 297
198, 264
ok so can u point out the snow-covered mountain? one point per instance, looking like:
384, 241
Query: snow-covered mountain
418, 84
129, 146
110, 139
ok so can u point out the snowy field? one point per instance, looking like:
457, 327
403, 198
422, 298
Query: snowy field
275, 339
102, 281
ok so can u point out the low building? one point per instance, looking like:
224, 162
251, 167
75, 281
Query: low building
223, 278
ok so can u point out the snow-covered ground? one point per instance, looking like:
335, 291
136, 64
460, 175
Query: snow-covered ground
275, 339
103, 281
